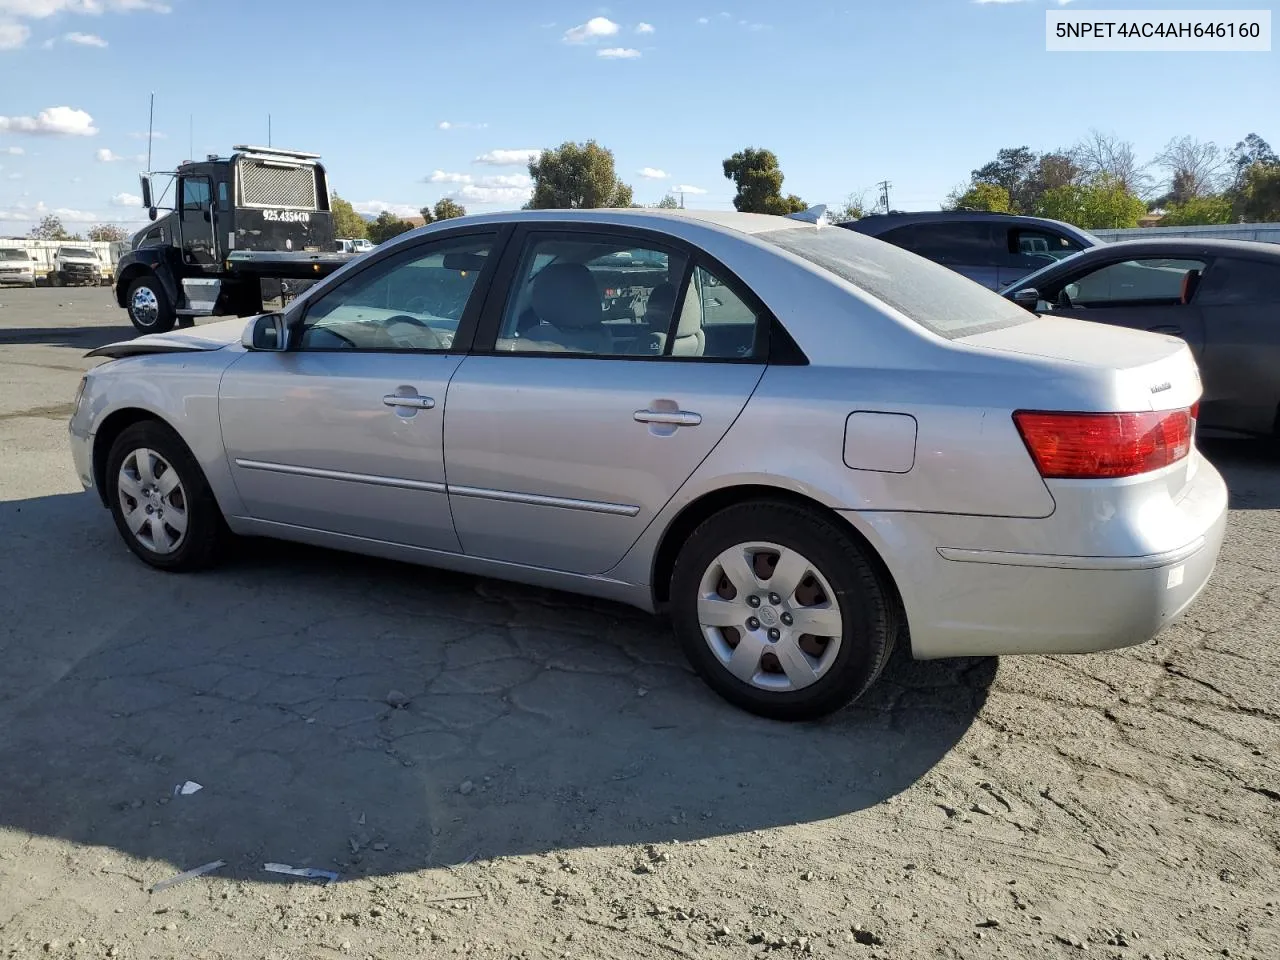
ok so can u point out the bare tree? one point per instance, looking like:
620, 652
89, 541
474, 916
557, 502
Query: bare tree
1105, 154
1195, 168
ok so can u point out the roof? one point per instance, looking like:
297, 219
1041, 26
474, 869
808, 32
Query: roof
1169, 245
896, 217
725, 221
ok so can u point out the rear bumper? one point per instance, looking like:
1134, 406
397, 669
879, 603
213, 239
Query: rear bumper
967, 601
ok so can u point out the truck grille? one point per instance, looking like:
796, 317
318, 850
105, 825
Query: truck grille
277, 186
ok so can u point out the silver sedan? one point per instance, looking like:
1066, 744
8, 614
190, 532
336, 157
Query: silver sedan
805, 444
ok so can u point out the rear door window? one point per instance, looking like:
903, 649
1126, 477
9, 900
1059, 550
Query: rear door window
1231, 281
1149, 280
961, 242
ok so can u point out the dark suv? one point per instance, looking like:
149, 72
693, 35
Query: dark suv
995, 249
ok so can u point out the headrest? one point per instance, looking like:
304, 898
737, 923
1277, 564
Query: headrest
566, 296
690, 312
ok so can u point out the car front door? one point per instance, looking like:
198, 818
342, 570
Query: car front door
343, 432
567, 431
1240, 300
1144, 293
195, 213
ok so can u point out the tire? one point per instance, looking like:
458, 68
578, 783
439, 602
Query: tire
139, 495
149, 308
55, 280
836, 577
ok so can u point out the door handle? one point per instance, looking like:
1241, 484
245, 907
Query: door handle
673, 418
416, 403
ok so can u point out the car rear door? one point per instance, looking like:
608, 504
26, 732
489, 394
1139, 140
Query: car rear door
343, 433
566, 435
1240, 300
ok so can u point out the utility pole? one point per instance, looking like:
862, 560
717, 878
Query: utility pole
681, 199
151, 122
884, 194
191, 136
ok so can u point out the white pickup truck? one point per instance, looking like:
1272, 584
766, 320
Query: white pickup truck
17, 266
75, 265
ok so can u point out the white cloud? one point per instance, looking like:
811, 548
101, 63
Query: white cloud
22, 212
56, 121
104, 155
13, 35
652, 173
40, 9
704, 20
618, 53
593, 29
84, 39
142, 135
508, 158
460, 125
12, 151
475, 194
14, 176
685, 188
644, 28
126, 200
375, 207
440, 176
521, 180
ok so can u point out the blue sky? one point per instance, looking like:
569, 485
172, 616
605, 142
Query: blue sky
403, 98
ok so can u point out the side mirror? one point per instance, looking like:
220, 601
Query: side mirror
1028, 298
151, 213
146, 192
266, 333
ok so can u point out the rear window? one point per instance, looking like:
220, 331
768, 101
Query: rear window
939, 299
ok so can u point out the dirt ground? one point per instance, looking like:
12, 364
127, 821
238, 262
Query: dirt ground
495, 771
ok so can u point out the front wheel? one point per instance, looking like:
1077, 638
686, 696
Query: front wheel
149, 308
780, 612
161, 501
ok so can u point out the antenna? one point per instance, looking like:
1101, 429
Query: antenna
191, 136
268, 129
151, 122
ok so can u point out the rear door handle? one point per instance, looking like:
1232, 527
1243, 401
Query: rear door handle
416, 403
674, 418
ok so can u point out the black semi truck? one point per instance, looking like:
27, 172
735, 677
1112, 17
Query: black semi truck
242, 228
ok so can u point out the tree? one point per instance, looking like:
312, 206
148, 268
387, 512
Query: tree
1258, 199
853, 208
668, 202
1011, 170
387, 225
346, 222
1249, 151
108, 232
756, 174
1104, 202
982, 196
50, 228
1194, 167
576, 176
447, 209
1102, 154
427, 215
1198, 210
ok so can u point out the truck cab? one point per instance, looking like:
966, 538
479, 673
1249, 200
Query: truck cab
240, 227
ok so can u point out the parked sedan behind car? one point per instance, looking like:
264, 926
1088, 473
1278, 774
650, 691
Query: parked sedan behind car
804, 443
1221, 296
995, 249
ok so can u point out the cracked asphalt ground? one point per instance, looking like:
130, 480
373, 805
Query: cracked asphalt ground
555, 783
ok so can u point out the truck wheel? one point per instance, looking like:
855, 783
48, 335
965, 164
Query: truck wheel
149, 308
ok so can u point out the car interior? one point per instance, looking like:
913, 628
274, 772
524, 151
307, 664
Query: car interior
1132, 283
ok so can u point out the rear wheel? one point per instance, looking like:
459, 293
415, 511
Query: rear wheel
160, 500
149, 308
780, 612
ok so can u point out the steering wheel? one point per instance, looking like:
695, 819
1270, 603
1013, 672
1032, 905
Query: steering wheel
435, 342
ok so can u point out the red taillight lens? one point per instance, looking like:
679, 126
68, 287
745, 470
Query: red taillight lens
1078, 446
1195, 410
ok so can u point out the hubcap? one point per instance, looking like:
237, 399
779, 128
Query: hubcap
153, 501
145, 307
769, 616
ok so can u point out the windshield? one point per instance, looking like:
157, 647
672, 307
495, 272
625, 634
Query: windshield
1031, 279
13, 254
76, 252
939, 299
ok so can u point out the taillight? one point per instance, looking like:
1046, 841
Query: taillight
1195, 410
1079, 446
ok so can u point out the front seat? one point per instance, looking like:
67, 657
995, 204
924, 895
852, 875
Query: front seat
567, 301
689, 340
